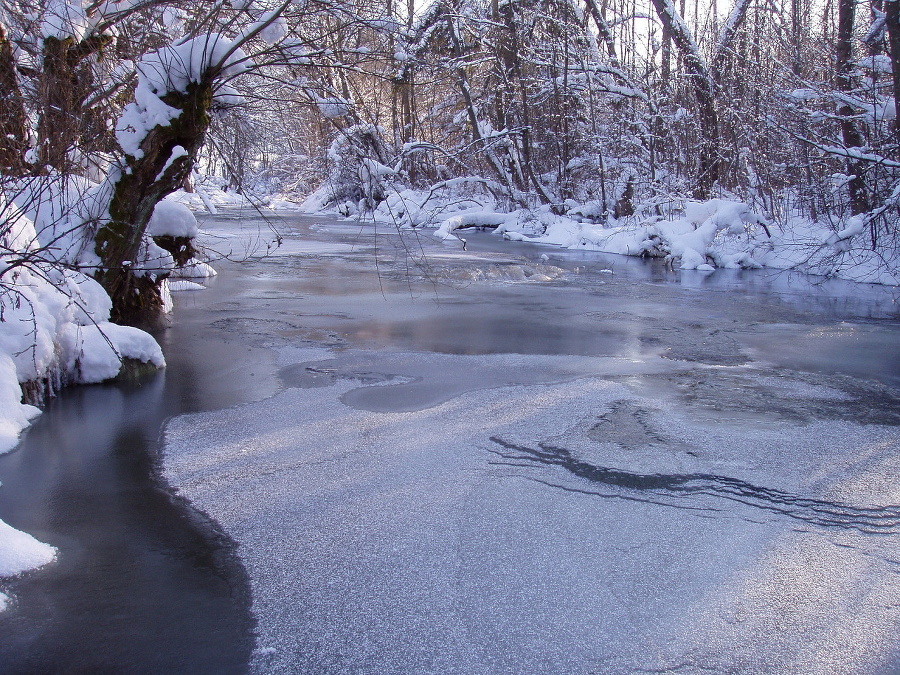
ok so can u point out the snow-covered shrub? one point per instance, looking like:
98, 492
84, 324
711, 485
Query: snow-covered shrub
288, 176
414, 208
358, 171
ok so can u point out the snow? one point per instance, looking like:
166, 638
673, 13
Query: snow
804, 95
332, 107
275, 30
854, 226
152, 259
723, 232
172, 17
177, 65
877, 63
172, 69
139, 117
691, 260
20, 551
194, 269
472, 218
177, 153
57, 206
64, 19
181, 285
94, 353
17, 416
172, 218
55, 325
18, 230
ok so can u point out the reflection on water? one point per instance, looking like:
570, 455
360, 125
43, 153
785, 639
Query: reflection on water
142, 584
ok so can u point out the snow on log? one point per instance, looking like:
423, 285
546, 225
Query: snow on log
466, 219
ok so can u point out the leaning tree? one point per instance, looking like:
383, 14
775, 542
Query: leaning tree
116, 99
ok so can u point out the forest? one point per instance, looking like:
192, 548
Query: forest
606, 110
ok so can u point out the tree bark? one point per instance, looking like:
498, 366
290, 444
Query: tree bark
13, 120
704, 86
852, 138
142, 183
64, 86
892, 21
604, 32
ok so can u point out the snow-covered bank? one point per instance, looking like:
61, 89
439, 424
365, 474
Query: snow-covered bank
702, 236
722, 234
54, 331
54, 325
727, 234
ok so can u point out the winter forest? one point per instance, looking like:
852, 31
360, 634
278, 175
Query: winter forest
730, 435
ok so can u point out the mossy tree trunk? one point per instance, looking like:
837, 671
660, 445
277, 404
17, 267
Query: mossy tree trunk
142, 183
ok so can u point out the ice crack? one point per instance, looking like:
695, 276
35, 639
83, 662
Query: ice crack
824, 513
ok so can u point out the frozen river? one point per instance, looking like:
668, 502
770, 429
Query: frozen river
518, 459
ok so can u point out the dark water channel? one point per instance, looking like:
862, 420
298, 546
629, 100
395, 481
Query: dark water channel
145, 584
142, 582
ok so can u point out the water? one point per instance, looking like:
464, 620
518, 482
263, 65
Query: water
142, 584
477, 461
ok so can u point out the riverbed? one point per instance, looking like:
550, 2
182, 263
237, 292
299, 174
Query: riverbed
385, 454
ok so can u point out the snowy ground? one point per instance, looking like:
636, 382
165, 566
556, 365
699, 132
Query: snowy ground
479, 471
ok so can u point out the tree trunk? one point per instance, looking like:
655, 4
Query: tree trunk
142, 183
57, 129
859, 201
704, 87
65, 83
463, 82
604, 32
13, 120
892, 21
